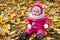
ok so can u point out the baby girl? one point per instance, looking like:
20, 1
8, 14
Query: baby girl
36, 22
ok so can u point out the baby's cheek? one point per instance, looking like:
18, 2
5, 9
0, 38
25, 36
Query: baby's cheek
33, 13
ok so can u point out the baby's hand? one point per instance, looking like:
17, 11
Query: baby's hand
45, 25
29, 26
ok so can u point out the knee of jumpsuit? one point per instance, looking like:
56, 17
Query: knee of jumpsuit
29, 31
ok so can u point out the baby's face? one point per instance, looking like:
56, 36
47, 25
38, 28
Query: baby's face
36, 12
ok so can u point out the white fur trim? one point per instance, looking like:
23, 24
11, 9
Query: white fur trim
45, 25
29, 26
37, 8
36, 17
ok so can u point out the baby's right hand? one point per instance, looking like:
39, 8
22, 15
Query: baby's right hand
29, 26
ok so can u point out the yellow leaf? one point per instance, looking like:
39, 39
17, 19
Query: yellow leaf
5, 4
30, 38
16, 38
13, 32
4, 32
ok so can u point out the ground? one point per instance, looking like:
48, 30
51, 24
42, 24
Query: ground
14, 12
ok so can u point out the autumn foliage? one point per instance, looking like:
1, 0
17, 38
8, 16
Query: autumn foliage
14, 12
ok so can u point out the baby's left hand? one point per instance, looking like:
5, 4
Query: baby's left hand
46, 26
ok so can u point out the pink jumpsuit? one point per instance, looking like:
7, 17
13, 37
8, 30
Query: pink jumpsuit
37, 25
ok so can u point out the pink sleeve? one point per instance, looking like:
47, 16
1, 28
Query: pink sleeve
28, 21
46, 20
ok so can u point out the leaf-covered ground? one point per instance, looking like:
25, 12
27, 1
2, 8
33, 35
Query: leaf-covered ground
14, 12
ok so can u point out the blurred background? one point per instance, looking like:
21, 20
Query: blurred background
14, 12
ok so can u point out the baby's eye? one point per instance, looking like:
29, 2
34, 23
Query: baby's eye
37, 11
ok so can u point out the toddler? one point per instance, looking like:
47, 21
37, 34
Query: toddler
36, 22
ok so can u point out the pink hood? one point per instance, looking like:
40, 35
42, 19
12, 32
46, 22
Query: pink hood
39, 5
